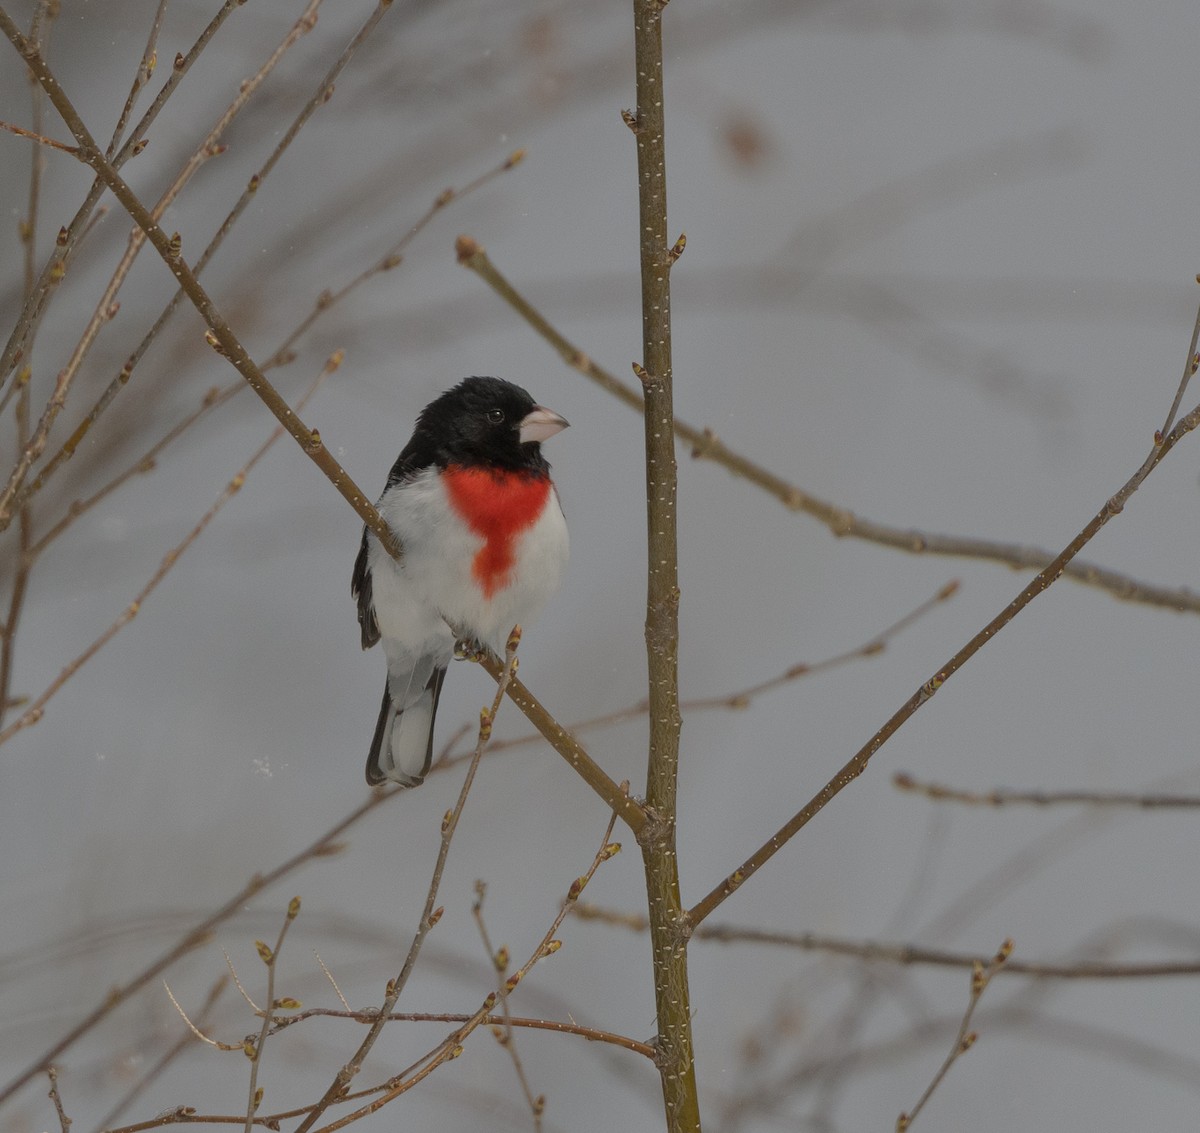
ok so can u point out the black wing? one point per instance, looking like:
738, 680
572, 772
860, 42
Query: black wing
416, 454
360, 587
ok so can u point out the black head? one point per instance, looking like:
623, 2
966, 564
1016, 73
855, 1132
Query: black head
484, 421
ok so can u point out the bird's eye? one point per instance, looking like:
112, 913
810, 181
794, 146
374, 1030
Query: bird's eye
496, 416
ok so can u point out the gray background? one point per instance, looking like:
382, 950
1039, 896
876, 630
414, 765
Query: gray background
954, 291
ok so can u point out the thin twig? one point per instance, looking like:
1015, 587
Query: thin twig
254, 1051
998, 797
1189, 369
64, 1122
592, 1034
329, 976
140, 79
40, 139
965, 1039
195, 1030
905, 955
502, 1030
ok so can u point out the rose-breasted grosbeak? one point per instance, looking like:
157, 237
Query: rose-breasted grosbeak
485, 544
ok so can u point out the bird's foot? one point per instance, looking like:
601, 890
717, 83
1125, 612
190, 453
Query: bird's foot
468, 649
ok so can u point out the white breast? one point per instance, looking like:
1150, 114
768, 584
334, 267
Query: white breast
434, 585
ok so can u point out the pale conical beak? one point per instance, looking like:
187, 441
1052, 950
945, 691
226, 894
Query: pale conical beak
539, 424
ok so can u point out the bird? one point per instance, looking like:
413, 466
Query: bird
484, 546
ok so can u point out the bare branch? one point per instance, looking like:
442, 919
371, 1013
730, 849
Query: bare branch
965, 1039
905, 955
997, 797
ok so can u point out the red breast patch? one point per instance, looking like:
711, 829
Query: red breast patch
497, 506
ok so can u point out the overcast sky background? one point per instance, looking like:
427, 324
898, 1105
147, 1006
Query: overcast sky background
949, 287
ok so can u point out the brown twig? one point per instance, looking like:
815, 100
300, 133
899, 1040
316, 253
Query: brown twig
503, 1029
254, 1050
592, 1034
1189, 369
840, 521
905, 955
141, 77
998, 797
40, 139
64, 1122
965, 1039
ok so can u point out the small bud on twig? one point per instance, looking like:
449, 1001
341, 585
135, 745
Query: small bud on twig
264, 951
677, 249
465, 247
630, 119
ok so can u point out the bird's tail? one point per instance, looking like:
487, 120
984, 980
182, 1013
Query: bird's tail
403, 745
